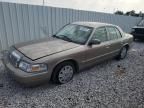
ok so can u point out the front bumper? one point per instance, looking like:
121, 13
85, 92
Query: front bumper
25, 78
138, 36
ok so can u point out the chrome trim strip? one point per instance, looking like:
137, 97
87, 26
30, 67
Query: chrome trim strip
100, 56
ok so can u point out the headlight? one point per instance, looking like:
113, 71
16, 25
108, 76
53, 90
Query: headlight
14, 53
14, 57
32, 67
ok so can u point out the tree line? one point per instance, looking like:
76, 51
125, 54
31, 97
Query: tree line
130, 13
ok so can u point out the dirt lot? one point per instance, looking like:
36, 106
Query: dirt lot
112, 84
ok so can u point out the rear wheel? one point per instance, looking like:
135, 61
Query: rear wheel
123, 53
63, 73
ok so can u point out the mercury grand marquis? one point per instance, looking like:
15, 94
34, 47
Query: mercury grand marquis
74, 47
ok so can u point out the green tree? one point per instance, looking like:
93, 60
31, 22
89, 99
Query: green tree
119, 12
131, 13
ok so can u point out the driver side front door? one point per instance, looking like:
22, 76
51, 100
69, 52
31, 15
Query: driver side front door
98, 52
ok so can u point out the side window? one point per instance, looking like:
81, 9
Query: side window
100, 34
118, 33
112, 33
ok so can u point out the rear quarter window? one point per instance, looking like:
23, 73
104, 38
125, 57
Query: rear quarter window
113, 33
118, 33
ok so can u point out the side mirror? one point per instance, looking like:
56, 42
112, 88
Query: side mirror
94, 42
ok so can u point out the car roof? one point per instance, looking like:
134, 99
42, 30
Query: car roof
93, 24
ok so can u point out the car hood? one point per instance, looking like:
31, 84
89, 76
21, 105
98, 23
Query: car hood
45, 47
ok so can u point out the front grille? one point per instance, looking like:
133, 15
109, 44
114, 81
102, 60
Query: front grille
139, 30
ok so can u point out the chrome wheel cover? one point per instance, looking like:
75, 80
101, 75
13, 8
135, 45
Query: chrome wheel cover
123, 52
65, 74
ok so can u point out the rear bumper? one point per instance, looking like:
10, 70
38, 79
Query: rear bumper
28, 79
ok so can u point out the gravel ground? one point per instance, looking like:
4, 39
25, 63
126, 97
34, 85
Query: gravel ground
112, 84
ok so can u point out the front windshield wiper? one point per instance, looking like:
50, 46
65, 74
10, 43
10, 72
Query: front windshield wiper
67, 38
55, 36
63, 37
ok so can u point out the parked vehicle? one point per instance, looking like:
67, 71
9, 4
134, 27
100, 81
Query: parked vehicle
75, 47
138, 31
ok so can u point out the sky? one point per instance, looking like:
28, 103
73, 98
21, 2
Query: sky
107, 6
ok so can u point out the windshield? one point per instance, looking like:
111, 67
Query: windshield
141, 23
74, 33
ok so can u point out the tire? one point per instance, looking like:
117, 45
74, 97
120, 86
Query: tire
123, 53
60, 75
134, 38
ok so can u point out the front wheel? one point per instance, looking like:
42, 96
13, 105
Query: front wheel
63, 73
134, 38
123, 53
